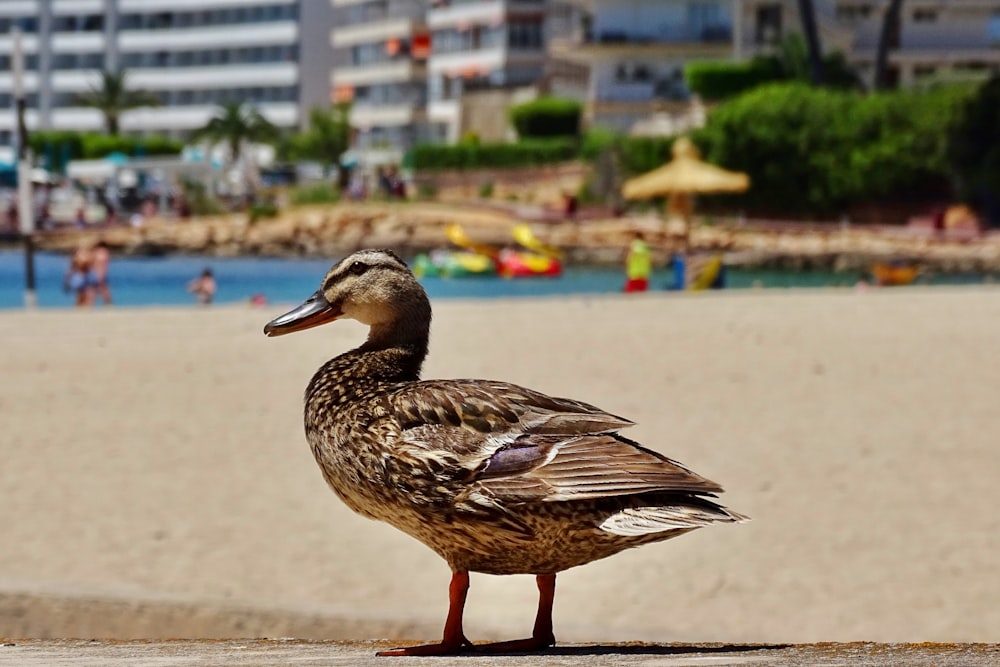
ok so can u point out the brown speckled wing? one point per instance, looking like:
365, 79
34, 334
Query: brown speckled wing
546, 468
493, 411
518, 445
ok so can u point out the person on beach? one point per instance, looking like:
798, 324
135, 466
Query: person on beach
80, 277
203, 287
638, 265
101, 259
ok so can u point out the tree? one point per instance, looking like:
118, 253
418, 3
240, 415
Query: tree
328, 136
236, 124
112, 98
807, 12
890, 32
793, 63
974, 149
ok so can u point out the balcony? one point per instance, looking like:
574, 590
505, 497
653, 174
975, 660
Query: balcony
232, 76
378, 31
383, 72
443, 13
366, 116
945, 43
444, 111
711, 41
483, 61
255, 34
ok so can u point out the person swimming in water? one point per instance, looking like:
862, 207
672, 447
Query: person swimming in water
203, 287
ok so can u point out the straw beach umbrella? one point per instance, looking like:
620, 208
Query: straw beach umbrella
684, 175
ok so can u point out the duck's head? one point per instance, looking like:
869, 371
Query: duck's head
374, 287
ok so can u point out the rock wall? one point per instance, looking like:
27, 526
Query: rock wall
330, 231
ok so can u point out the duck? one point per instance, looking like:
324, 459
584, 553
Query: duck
494, 477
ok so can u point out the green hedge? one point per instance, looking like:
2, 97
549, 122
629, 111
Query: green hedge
466, 156
717, 80
60, 145
547, 117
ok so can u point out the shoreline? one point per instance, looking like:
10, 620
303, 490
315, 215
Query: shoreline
414, 227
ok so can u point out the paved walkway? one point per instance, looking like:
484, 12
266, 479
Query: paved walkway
275, 653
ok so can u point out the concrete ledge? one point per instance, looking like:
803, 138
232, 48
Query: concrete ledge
280, 652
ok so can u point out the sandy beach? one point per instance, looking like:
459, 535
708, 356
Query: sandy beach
156, 482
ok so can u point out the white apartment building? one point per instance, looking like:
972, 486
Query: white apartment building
193, 54
381, 47
410, 66
625, 58
931, 36
480, 46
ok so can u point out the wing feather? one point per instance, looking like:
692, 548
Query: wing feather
585, 467
507, 444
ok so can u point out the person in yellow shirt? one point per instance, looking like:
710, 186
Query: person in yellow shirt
638, 265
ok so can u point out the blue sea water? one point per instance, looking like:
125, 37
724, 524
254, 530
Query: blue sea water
142, 281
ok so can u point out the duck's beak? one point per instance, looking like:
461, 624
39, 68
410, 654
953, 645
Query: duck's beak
316, 310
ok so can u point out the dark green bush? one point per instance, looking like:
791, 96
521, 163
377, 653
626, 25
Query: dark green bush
814, 151
717, 80
974, 143
547, 117
596, 140
520, 154
641, 154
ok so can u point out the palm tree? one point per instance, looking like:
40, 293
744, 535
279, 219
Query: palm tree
890, 32
112, 98
807, 12
236, 124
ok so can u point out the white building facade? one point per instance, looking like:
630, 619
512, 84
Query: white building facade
381, 49
192, 54
625, 58
409, 66
480, 46
931, 37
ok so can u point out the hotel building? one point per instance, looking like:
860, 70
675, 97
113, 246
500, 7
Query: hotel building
192, 54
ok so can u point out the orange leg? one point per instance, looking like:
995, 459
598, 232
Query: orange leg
541, 636
454, 638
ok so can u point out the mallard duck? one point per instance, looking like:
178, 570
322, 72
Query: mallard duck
494, 477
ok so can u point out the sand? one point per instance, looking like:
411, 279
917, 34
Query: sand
155, 480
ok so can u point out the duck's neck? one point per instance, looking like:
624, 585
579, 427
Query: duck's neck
393, 353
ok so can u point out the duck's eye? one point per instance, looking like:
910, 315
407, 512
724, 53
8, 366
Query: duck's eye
358, 268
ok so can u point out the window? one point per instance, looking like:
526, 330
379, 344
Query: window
768, 25
525, 36
93, 23
854, 12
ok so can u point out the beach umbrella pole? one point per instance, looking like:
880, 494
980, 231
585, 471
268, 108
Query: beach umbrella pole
25, 205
